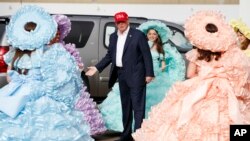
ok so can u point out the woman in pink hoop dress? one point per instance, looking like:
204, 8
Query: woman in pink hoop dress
217, 93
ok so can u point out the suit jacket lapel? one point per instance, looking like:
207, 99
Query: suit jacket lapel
115, 46
128, 40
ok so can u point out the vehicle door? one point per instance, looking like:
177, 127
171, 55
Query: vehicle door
85, 34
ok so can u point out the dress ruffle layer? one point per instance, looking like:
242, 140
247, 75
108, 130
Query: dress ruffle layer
175, 71
45, 119
91, 113
50, 112
66, 81
202, 108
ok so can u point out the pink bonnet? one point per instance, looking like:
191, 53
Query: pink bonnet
196, 33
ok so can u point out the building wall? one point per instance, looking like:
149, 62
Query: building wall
244, 11
133, 1
169, 12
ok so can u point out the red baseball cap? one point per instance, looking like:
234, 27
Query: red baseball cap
121, 17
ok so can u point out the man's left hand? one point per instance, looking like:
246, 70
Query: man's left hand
149, 79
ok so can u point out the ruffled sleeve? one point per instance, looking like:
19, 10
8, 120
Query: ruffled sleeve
61, 76
9, 56
235, 67
237, 70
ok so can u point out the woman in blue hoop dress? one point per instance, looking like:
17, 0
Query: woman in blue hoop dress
84, 103
39, 102
169, 67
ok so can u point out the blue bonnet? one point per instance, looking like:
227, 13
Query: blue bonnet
164, 32
44, 31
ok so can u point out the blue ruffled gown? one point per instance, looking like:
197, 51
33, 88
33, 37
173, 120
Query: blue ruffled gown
39, 106
175, 71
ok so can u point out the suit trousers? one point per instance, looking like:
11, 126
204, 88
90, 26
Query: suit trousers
133, 105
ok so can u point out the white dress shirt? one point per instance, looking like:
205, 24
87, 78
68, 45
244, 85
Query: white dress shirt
120, 46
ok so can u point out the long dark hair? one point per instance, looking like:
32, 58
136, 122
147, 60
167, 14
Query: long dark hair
208, 55
29, 26
159, 44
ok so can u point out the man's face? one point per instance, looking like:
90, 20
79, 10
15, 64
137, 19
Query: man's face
122, 26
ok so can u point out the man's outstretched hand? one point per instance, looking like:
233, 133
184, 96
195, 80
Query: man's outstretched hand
91, 71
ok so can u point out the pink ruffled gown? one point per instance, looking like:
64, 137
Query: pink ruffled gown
203, 107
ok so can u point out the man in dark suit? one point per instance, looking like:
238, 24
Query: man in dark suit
132, 64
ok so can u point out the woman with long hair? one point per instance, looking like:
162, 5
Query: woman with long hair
202, 107
39, 101
168, 65
243, 35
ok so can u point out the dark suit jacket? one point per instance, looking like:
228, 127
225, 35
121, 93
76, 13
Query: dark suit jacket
136, 59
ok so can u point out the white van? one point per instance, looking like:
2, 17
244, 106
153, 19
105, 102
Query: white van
91, 36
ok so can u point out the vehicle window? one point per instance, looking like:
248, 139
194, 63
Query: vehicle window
108, 31
2, 29
3, 23
179, 41
80, 32
110, 28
